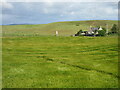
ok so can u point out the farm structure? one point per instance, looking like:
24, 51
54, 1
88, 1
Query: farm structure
91, 32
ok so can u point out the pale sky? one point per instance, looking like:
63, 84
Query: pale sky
30, 12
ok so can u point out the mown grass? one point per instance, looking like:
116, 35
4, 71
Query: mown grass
60, 62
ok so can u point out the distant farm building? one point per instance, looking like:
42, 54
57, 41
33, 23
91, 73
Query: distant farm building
93, 30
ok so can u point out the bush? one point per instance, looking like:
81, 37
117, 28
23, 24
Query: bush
79, 33
101, 32
109, 33
114, 29
104, 29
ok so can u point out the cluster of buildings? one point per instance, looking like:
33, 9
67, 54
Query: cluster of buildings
92, 31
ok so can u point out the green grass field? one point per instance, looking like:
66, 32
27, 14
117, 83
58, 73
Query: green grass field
64, 62
47, 61
64, 28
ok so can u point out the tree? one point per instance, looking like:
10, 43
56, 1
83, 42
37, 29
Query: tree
95, 31
101, 32
114, 28
79, 33
104, 28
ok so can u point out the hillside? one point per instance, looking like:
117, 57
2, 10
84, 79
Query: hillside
64, 28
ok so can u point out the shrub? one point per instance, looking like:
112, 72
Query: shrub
79, 33
110, 33
104, 28
77, 24
114, 29
101, 32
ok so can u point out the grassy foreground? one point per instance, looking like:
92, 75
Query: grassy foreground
60, 62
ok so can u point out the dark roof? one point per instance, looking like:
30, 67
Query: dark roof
93, 29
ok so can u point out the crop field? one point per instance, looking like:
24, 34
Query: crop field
60, 62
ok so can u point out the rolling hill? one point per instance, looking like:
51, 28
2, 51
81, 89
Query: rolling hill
64, 28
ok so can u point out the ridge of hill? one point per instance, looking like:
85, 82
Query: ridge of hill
64, 28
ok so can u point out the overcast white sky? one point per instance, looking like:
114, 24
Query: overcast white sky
50, 11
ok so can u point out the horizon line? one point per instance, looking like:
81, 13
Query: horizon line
53, 22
